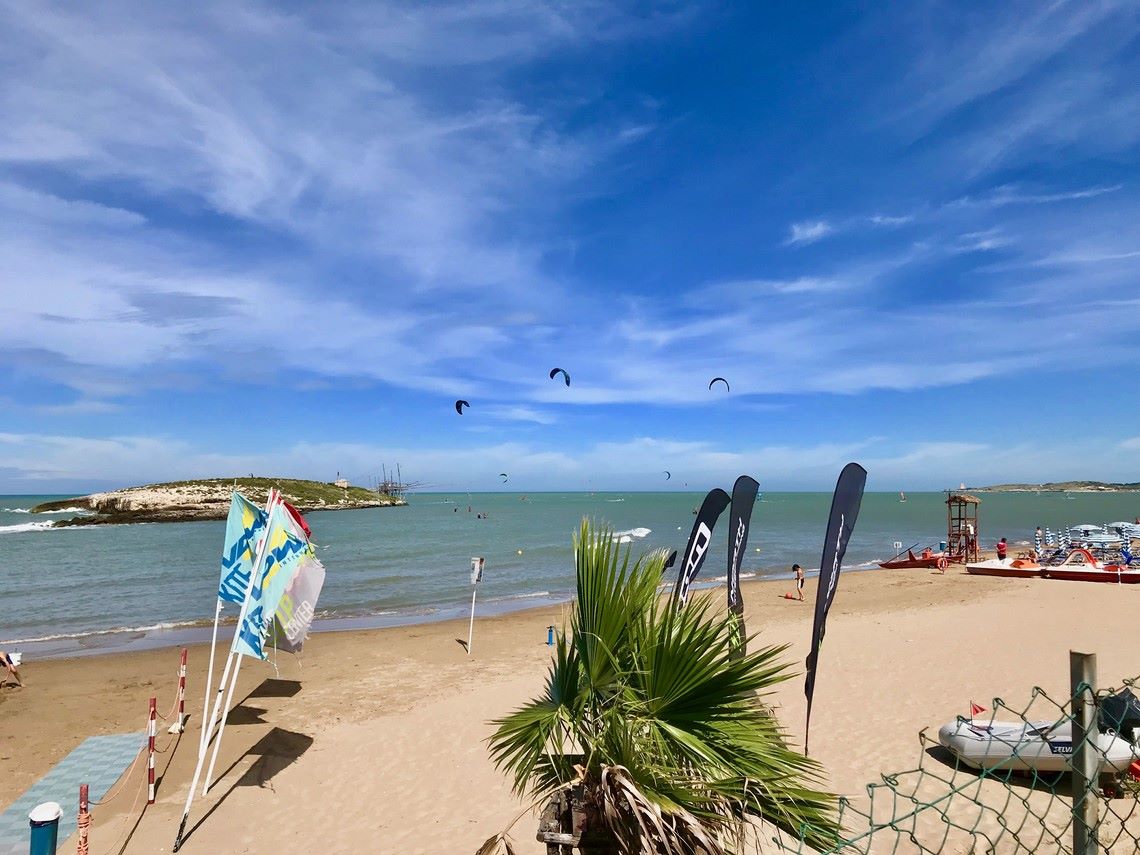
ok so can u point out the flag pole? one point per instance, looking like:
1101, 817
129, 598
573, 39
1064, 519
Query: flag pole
476, 578
471, 624
222, 726
209, 677
262, 547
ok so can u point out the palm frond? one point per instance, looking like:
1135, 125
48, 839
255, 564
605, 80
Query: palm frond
647, 707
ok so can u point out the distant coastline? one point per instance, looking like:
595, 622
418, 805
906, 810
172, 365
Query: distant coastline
1060, 487
209, 499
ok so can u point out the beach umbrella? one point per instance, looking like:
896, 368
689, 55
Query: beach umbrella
1037, 542
1048, 537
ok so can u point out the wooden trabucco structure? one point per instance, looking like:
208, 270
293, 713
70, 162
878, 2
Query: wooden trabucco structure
962, 531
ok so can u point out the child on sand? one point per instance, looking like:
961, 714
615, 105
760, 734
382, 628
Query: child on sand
8, 665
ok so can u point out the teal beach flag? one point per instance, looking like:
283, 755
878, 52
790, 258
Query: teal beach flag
244, 527
283, 553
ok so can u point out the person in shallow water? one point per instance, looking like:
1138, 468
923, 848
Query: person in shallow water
10, 667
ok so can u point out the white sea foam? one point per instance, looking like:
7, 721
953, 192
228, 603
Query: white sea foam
81, 511
21, 527
527, 596
743, 575
94, 633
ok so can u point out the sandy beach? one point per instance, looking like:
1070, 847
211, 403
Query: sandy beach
374, 741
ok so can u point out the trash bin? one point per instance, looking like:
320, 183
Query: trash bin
44, 820
942, 546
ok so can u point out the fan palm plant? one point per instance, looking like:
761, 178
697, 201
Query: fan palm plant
658, 727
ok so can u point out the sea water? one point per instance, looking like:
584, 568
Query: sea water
65, 591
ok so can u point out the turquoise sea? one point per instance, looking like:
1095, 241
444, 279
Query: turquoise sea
89, 589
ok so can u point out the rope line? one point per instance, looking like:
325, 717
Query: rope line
141, 753
122, 778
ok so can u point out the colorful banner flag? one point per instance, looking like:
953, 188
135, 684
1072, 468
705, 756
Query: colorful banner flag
743, 501
976, 709
245, 526
282, 556
294, 615
697, 550
844, 511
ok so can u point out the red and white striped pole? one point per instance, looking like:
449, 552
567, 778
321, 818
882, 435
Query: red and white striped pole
180, 723
150, 733
84, 820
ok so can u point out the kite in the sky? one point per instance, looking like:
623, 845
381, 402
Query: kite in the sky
503, 475
668, 474
459, 405
722, 380
565, 374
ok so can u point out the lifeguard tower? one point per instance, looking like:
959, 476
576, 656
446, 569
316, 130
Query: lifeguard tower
962, 526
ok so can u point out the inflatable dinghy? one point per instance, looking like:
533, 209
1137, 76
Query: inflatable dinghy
1036, 746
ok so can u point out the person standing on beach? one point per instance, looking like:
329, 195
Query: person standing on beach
8, 665
799, 571
1001, 549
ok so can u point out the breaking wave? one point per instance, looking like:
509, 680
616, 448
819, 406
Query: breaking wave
631, 534
21, 527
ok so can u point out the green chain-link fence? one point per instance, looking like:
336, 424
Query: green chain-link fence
1011, 805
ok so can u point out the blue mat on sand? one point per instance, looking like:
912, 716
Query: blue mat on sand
98, 762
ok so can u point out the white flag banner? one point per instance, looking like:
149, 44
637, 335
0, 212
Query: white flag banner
298, 604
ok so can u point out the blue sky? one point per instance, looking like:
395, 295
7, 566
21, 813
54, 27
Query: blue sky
242, 237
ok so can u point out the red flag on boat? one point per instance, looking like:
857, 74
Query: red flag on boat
298, 519
975, 709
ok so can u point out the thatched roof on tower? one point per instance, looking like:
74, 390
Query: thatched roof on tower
963, 499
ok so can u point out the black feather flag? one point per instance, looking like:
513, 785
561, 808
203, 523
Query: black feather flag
844, 511
697, 549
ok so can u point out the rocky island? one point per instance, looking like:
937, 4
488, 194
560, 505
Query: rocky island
209, 499
1061, 487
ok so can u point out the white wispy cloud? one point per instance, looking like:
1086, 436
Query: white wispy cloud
1030, 79
807, 232
342, 146
1010, 194
1132, 444
521, 414
346, 159
982, 241
890, 221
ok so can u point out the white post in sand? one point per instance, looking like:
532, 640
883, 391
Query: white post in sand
476, 578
